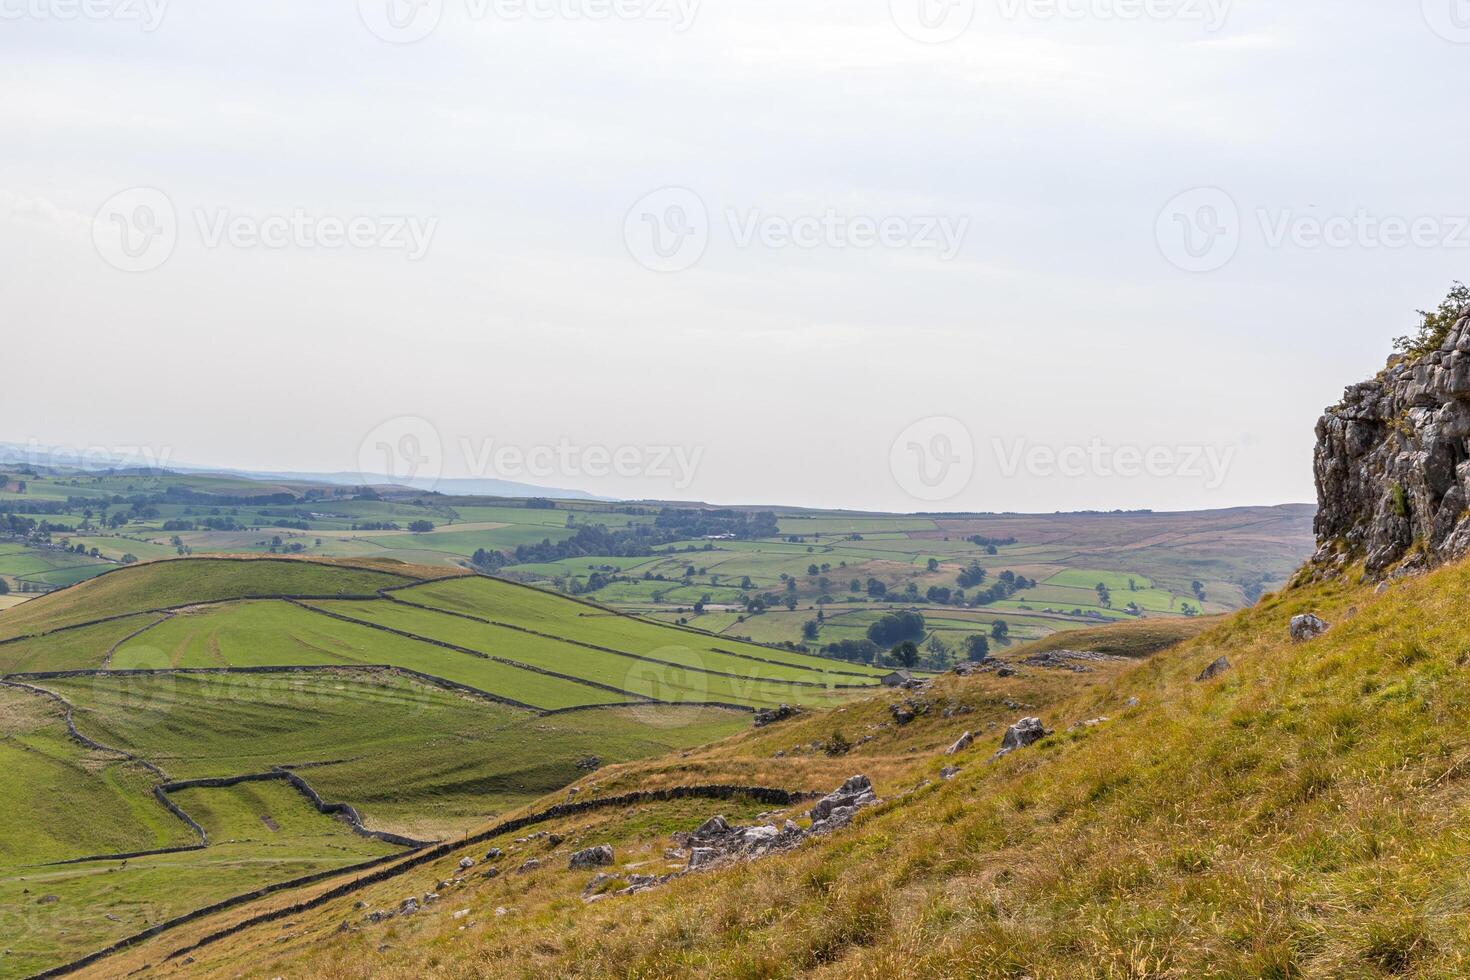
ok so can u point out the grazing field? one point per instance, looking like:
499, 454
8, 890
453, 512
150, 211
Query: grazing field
420, 719
782, 572
412, 758
162, 585
262, 833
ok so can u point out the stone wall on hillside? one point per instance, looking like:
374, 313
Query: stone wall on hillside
1393, 464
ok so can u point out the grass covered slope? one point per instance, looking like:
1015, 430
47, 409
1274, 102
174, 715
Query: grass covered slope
1302, 814
411, 758
160, 585
264, 832
64, 801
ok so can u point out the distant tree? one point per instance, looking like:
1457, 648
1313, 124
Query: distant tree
811, 629
896, 628
813, 570
876, 588
129, 559
905, 654
790, 603
855, 585
977, 647
933, 564
4, 587
971, 576
938, 594
1198, 588
999, 630
1104, 597
421, 527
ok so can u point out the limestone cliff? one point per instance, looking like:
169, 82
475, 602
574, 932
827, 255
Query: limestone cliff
1393, 463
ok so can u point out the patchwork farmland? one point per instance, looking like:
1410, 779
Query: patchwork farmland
216, 713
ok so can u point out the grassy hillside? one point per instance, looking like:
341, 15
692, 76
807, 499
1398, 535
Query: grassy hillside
428, 721
164, 584
414, 759
1301, 814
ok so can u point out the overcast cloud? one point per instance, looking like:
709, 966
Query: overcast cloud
1015, 255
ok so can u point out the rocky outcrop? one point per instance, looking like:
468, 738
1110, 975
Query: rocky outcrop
1308, 627
1027, 731
593, 857
1215, 669
1393, 464
769, 716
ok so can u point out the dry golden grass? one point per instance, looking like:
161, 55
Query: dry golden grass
1301, 816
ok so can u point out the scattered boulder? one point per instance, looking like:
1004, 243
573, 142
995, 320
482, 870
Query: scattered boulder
837, 808
530, 865
494, 854
908, 709
492, 872
1214, 670
593, 857
949, 772
769, 716
1027, 731
408, 906
962, 743
594, 886
1075, 661
1131, 703
1307, 627
466, 863
589, 763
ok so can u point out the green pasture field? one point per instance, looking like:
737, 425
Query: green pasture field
838, 525
51, 915
412, 758
83, 648
758, 684
115, 546
172, 583
279, 634
466, 543
545, 611
63, 801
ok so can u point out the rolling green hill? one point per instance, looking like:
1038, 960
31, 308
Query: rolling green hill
1298, 814
425, 707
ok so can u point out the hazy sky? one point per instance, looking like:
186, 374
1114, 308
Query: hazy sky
919, 254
